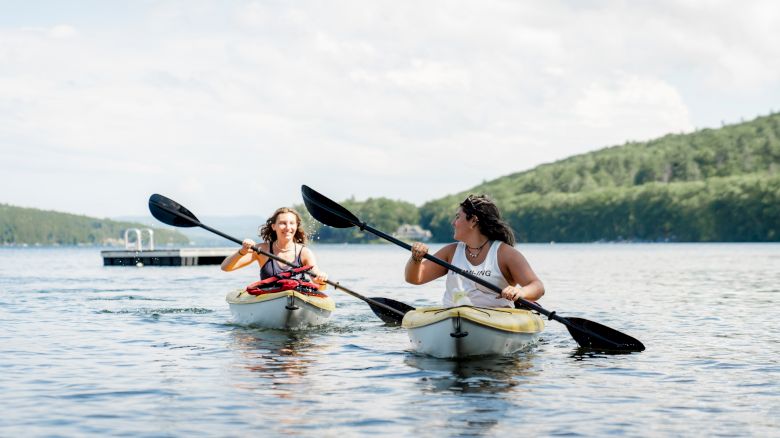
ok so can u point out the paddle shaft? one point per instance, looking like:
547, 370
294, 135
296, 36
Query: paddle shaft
474, 278
257, 249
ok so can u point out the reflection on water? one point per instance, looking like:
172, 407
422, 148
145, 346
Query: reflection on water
278, 358
582, 354
490, 387
487, 374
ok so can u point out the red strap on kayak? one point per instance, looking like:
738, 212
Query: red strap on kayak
283, 281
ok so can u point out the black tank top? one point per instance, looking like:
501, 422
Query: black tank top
272, 267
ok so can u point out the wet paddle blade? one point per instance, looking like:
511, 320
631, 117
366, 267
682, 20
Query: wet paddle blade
170, 212
326, 211
387, 316
595, 336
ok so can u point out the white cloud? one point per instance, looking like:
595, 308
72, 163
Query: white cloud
247, 100
63, 31
191, 186
424, 76
642, 103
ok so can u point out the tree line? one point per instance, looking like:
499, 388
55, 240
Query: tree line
30, 226
730, 209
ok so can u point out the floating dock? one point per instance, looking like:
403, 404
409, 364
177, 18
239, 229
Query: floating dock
165, 257
134, 253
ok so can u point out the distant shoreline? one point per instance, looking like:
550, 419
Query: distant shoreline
374, 244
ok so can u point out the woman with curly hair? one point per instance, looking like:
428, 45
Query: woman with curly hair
283, 236
485, 248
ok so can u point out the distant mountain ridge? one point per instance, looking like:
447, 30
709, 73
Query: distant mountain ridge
710, 185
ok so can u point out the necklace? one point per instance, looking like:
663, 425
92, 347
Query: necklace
276, 263
280, 249
478, 249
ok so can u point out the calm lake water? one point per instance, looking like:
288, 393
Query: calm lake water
93, 350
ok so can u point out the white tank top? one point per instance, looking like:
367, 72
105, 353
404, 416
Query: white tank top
458, 286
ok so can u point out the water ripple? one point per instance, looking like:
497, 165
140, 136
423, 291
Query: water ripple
152, 352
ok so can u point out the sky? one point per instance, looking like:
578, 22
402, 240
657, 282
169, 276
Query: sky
229, 106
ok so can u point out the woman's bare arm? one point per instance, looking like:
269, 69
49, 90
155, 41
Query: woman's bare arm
423, 271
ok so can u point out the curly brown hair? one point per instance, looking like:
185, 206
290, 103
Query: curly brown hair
488, 218
268, 234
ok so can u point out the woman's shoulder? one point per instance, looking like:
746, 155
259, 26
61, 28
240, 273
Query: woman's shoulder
449, 248
507, 252
505, 247
264, 247
305, 252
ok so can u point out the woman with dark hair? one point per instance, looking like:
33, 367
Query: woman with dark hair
283, 237
485, 248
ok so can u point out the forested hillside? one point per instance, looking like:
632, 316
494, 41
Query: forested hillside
711, 185
31, 226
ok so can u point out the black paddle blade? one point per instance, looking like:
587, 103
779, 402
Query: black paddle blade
387, 316
170, 212
326, 211
595, 336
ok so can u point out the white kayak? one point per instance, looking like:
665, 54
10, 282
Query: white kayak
287, 309
465, 331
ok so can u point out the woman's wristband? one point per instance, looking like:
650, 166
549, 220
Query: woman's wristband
242, 253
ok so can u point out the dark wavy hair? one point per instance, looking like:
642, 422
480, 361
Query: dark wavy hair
488, 218
269, 235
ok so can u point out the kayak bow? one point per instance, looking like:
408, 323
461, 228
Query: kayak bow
465, 331
287, 309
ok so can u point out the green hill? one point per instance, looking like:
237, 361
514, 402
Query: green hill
711, 185
19, 226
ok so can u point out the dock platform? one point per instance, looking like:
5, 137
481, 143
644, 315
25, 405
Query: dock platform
165, 257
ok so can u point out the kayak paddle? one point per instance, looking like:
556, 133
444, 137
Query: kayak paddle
172, 213
587, 334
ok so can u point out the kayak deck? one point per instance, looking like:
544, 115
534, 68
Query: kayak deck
506, 319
